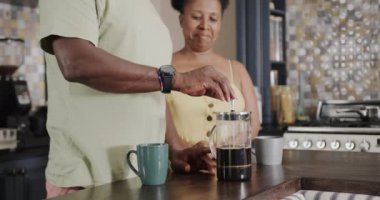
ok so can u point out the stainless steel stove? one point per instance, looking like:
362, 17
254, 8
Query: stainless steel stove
339, 126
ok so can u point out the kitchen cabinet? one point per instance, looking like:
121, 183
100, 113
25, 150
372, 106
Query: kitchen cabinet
253, 46
23, 179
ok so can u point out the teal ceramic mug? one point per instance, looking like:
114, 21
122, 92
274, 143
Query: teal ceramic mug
152, 161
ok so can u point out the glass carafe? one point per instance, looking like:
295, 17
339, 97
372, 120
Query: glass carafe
11, 55
231, 145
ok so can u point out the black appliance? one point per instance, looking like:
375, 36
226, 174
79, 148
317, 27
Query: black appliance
19, 127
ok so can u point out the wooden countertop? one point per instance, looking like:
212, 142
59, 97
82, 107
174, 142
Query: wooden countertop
334, 171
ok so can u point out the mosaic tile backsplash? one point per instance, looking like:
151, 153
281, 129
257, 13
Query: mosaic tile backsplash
335, 46
18, 21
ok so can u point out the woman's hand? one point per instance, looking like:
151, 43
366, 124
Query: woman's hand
193, 159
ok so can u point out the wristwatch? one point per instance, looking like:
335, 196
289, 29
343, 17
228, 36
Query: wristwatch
165, 75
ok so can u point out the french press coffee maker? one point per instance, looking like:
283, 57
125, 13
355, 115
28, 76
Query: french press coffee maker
230, 144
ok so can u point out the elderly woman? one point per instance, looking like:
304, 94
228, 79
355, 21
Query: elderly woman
194, 116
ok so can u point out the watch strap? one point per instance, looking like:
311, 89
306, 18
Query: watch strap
165, 76
166, 84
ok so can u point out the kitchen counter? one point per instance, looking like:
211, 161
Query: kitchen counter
335, 171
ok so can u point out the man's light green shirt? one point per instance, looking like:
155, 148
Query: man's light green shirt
91, 131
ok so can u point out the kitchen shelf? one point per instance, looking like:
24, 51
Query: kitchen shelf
253, 46
278, 63
280, 67
277, 12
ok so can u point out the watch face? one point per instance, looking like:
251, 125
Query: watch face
168, 69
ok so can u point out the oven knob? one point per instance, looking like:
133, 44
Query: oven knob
293, 144
307, 144
321, 144
364, 146
349, 145
335, 145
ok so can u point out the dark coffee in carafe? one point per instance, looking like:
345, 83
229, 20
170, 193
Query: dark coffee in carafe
233, 163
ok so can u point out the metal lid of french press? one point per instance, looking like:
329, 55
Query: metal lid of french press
233, 115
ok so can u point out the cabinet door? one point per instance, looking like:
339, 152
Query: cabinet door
3, 183
23, 179
12, 185
36, 183
19, 185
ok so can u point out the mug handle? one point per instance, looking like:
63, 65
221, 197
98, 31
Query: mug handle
130, 163
212, 143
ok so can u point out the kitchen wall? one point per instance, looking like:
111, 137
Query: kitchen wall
21, 20
226, 43
335, 44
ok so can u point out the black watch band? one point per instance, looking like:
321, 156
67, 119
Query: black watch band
165, 75
166, 86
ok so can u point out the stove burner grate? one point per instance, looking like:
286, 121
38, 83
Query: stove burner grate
334, 122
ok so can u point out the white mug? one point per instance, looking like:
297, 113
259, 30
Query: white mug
268, 149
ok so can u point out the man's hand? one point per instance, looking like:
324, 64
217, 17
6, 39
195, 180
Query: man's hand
204, 81
193, 159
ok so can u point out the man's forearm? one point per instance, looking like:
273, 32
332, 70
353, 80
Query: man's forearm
81, 62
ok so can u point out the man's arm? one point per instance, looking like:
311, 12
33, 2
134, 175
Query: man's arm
82, 62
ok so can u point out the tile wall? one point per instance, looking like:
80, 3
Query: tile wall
22, 21
335, 45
